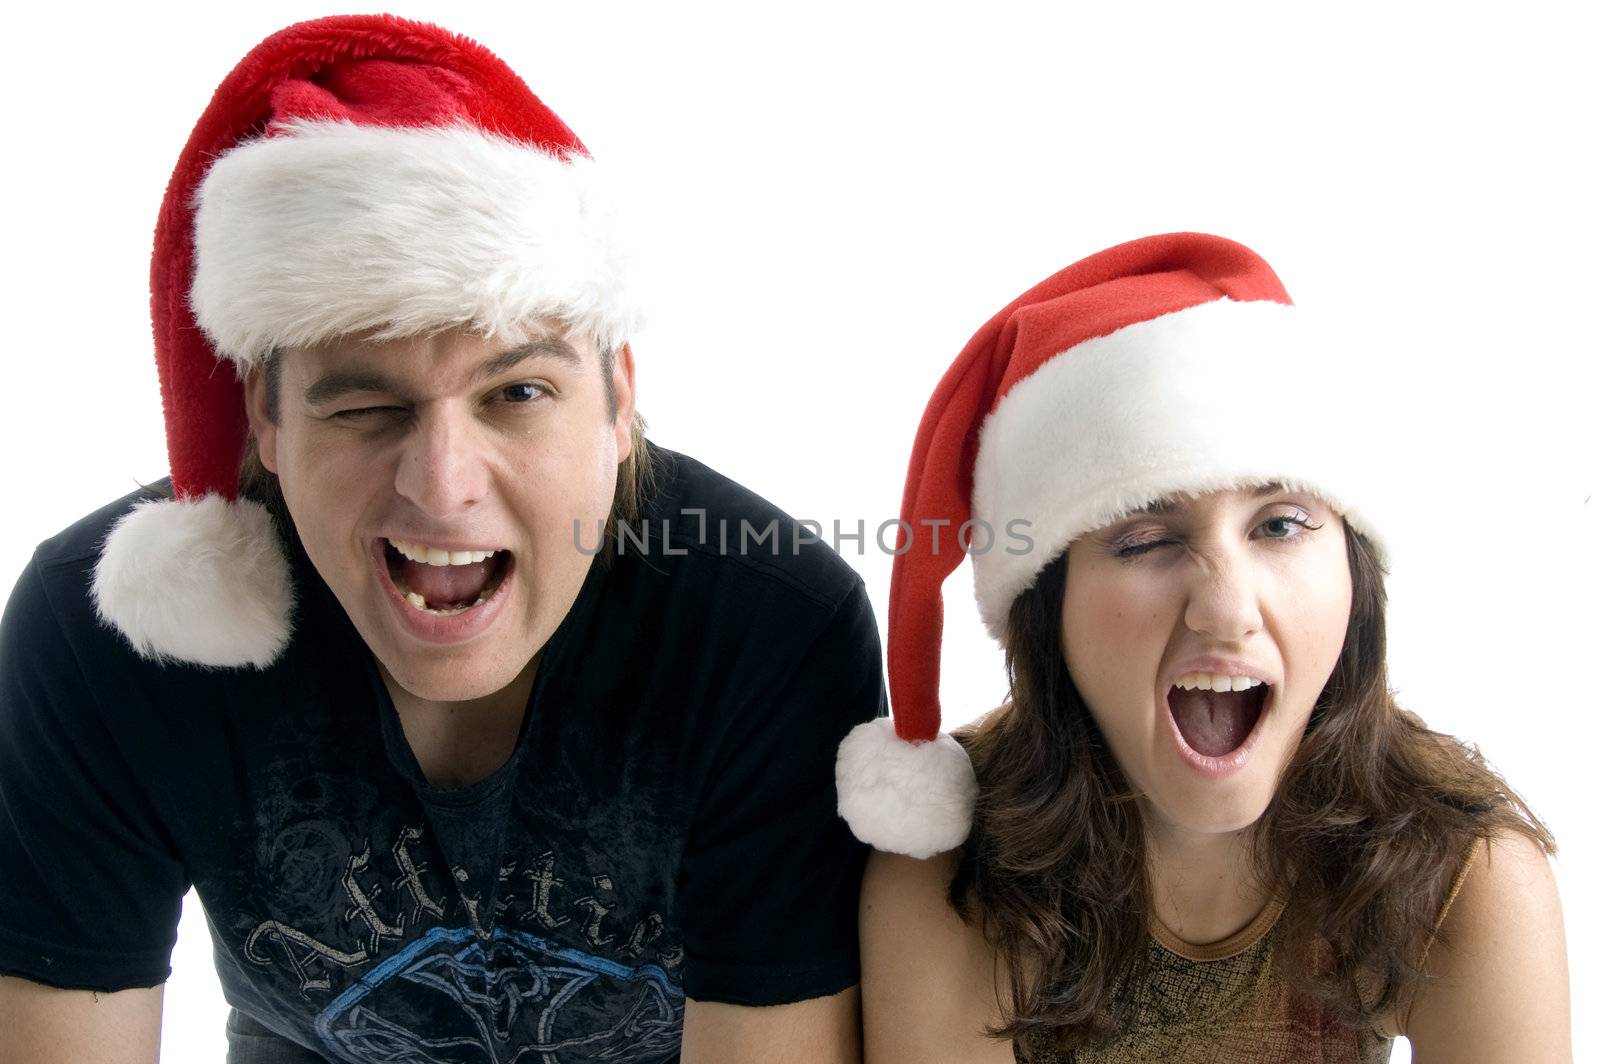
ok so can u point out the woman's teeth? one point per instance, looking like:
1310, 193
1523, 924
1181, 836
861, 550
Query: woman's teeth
420, 603
434, 556
1208, 681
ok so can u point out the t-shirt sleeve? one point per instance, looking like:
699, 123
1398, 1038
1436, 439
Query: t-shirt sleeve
90, 893
771, 876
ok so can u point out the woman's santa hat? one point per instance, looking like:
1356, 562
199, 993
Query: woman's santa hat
357, 174
1170, 364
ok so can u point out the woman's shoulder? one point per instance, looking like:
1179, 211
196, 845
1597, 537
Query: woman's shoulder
1502, 881
930, 981
1496, 973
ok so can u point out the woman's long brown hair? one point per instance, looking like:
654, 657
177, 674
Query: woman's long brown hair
1364, 834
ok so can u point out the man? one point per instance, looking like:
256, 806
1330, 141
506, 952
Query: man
484, 729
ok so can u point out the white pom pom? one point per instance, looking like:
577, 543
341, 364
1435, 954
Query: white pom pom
900, 797
202, 581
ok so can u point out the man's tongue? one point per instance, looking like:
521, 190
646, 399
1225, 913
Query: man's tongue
443, 586
1214, 723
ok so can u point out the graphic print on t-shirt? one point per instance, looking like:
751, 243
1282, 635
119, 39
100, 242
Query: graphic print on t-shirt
514, 997
409, 983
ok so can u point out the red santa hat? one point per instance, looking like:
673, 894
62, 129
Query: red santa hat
356, 174
1146, 370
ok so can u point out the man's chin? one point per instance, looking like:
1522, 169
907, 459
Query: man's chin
457, 680
453, 685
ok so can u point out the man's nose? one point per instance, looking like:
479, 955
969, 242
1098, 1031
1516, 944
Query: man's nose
1224, 598
441, 470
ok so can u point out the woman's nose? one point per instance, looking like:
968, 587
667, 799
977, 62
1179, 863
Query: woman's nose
1224, 599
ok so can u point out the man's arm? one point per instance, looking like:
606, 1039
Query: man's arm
1498, 991
44, 1025
771, 876
824, 1030
90, 891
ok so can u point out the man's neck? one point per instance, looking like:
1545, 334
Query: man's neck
458, 744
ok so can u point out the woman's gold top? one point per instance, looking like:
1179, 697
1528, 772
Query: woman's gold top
1228, 1002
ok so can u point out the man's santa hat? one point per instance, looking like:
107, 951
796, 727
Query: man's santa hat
1165, 365
357, 174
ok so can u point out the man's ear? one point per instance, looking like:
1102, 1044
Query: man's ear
622, 382
255, 408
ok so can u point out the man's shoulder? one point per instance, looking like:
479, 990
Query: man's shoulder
697, 511
53, 598
81, 541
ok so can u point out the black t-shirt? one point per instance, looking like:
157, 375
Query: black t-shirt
665, 829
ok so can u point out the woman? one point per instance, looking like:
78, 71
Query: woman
1200, 827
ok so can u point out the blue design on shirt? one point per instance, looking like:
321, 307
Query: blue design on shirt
511, 997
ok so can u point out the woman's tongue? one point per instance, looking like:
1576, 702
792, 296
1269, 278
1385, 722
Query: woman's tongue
443, 586
1213, 723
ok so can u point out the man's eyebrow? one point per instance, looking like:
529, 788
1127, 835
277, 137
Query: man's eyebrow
333, 384
547, 346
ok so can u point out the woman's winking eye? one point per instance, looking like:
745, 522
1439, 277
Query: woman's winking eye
1137, 541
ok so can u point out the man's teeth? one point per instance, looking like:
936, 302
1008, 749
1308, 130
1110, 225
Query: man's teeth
425, 555
1210, 681
422, 604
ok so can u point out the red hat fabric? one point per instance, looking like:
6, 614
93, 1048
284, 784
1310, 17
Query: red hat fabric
1113, 383
356, 174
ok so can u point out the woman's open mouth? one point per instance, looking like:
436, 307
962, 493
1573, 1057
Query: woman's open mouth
1217, 718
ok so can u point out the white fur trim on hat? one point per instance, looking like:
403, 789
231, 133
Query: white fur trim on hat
329, 228
203, 582
900, 797
1220, 395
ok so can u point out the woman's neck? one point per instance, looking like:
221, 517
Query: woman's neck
1203, 886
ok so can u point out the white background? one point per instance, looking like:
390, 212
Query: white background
830, 200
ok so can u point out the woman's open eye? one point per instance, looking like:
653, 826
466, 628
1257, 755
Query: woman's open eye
1288, 526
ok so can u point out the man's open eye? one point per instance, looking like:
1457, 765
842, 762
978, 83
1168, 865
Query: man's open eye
525, 392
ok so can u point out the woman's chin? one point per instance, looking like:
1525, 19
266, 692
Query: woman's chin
1212, 810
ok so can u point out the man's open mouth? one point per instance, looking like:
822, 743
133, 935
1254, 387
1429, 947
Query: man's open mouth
445, 583
1216, 714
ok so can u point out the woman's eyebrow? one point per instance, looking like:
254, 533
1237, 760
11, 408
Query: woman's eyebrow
1167, 504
